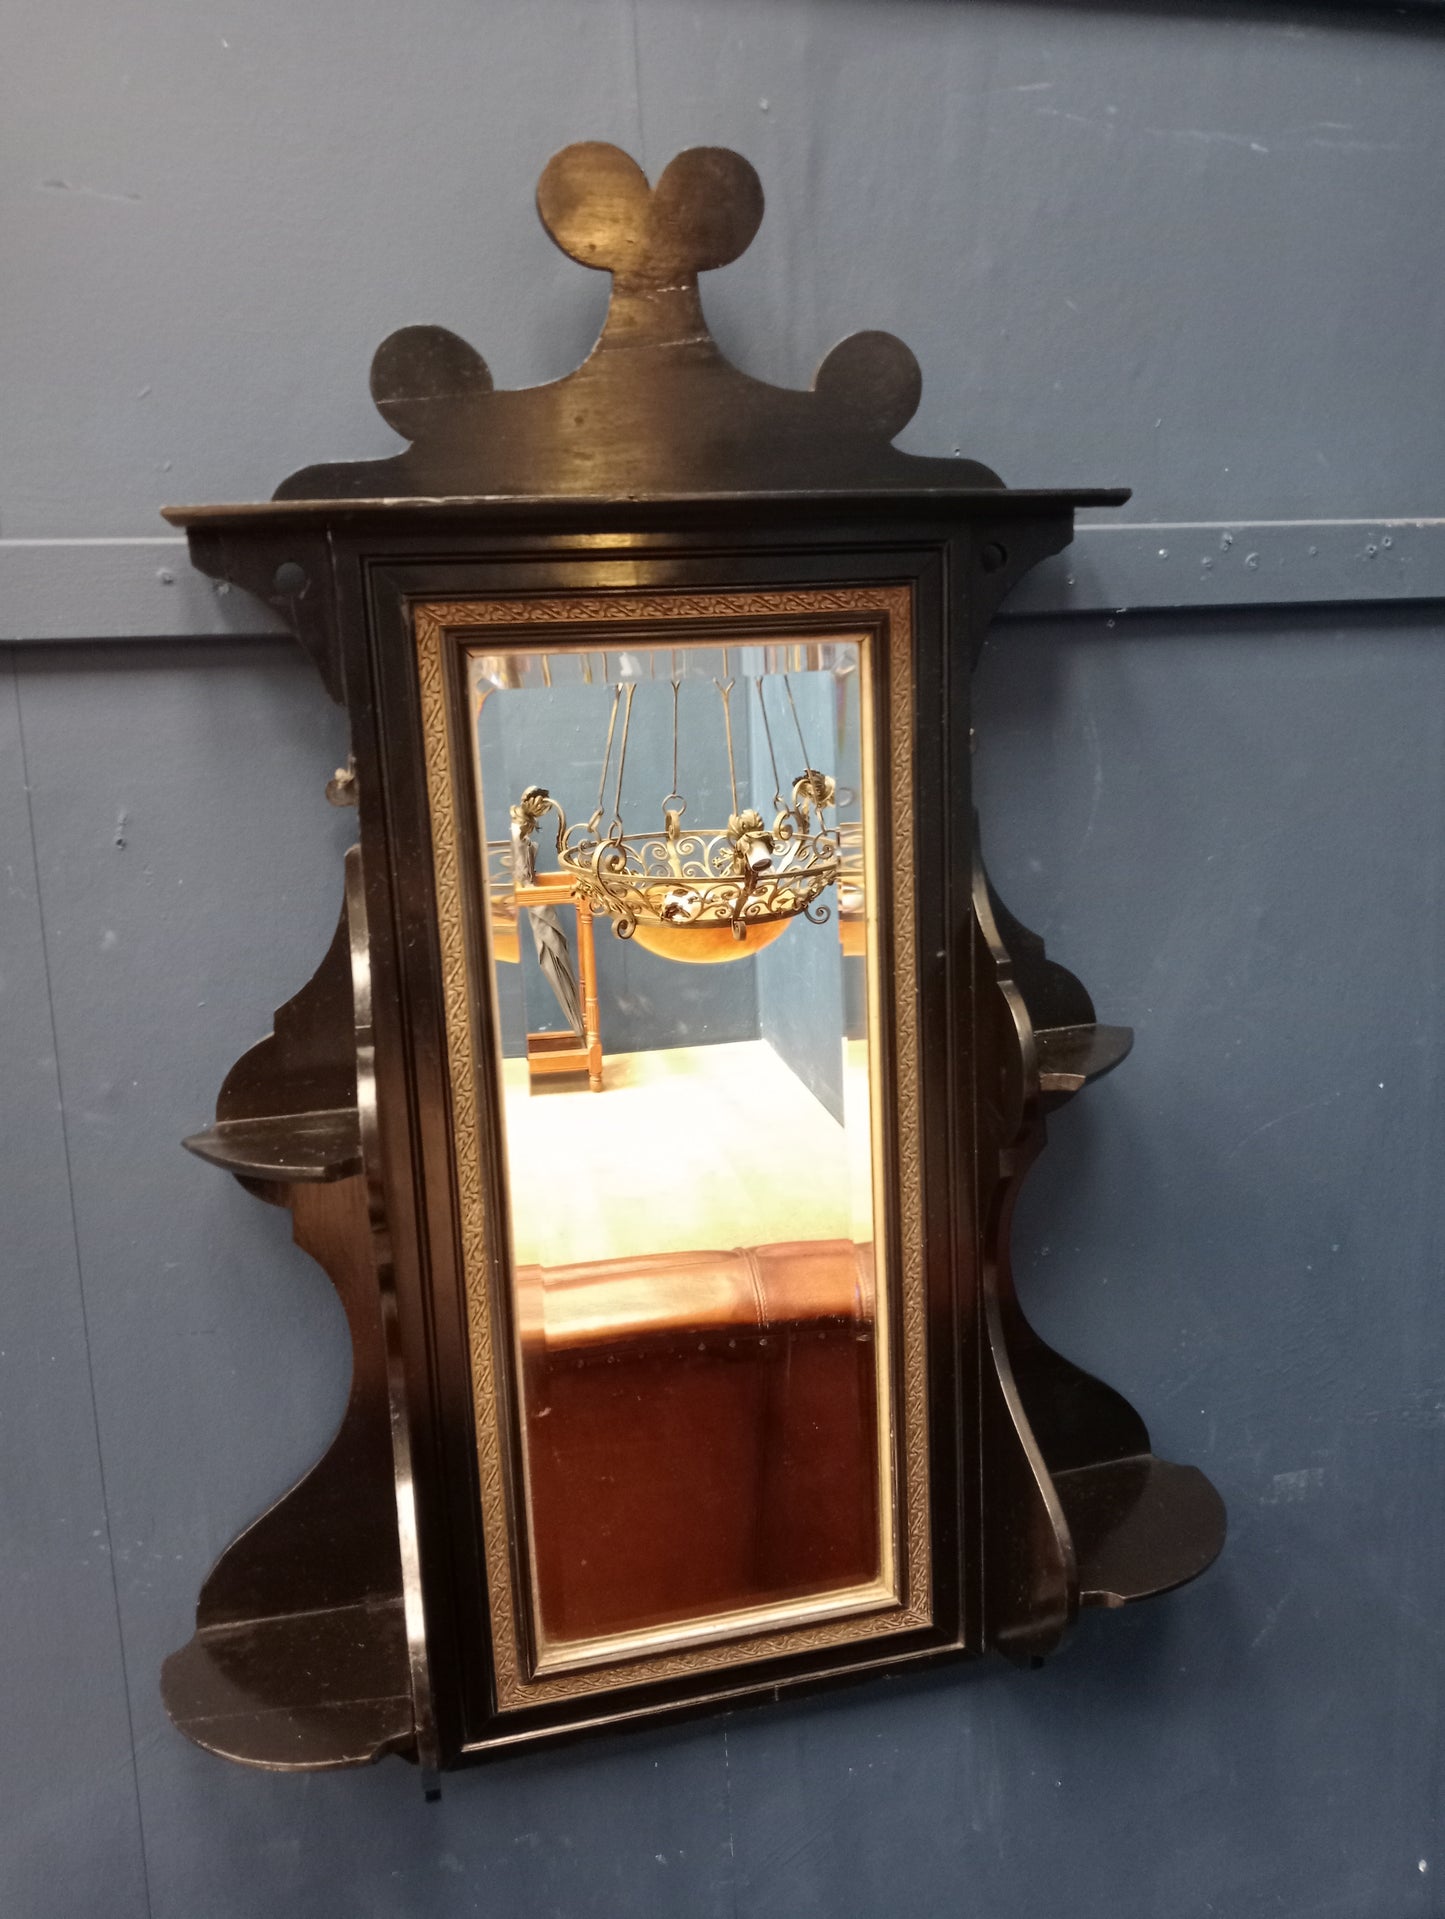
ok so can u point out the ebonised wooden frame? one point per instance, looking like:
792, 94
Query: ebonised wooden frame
351, 1620
607, 612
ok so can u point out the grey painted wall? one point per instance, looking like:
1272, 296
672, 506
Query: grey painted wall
1231, 825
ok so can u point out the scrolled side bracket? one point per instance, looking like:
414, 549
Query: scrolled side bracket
1094, 1518
307, 1652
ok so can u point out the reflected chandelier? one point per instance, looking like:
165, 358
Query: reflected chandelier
699, 894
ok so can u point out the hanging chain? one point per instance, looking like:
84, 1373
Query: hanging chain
811, 786
672, 792
768, 735
725, 689
615, 830
797, 723
593, 823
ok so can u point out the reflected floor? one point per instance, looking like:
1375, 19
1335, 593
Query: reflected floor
690, 1148
696, 1321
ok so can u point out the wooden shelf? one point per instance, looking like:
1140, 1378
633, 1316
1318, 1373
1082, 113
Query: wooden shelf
286, 1147
1072, 1057
1140, 1527
297, 1693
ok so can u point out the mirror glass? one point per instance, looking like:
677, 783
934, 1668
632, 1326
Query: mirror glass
681, 904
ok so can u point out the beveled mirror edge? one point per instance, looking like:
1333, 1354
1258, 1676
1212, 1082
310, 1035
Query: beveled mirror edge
488, 673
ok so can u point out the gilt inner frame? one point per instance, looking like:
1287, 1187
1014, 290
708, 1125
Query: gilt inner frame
880, 619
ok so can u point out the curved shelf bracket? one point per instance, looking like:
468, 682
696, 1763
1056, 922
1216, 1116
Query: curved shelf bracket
1108, 1522
302, 1654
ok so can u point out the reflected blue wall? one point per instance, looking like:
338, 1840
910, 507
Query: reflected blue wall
801, 1008
557, 737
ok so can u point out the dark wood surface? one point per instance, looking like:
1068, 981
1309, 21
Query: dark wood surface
1105, 1521
1073, 1057
302, 1692
283, 1147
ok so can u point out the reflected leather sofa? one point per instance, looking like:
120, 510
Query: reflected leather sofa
701, 1432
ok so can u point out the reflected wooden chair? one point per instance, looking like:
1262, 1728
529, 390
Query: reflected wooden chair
565, 1052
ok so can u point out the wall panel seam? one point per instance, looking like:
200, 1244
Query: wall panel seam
80, 1278
144, 589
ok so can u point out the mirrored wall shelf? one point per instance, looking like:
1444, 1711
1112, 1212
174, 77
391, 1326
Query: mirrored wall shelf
660, 1106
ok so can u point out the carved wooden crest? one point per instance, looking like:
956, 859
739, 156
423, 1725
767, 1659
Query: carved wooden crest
655, 408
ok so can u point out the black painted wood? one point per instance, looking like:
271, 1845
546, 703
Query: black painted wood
656, 411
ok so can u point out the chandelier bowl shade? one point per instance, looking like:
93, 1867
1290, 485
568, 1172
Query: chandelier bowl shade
707, 945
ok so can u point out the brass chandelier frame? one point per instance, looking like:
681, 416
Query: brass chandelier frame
673, 883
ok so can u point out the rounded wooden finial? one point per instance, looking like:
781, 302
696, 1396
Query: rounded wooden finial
596, 203
876, 378
419, 367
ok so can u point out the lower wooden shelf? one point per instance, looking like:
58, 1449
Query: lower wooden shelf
285, 1147
298, 1693
1140, 1526
1072, 1057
